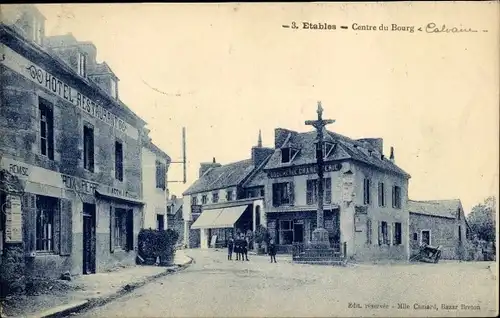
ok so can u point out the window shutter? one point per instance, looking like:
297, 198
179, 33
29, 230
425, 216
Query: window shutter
291, 192
309, 192
66, 228
328, 191
29, 220
56, 239
389, 236
393, 197
111, 229
50, 135
368, 231
367, 191
380, 233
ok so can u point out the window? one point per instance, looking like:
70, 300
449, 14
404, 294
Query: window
459, 233
194, 200
368, 231
415, 236
286, 232
285, 155
229, 195
123, 231
82, 64
283, 193
118, 161
366, 191
459, 214
383, 234
160, 222
161, 173
381, 194
37, 31
113, 89
46, 128
204, 199
425, 238
261, 192
215, 197
396, 197
46, 208
257, 216
397, 233
328, 149
312, 191
88, 148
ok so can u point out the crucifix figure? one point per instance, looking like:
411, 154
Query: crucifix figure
320, 235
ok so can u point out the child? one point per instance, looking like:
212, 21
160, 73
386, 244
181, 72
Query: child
272, 251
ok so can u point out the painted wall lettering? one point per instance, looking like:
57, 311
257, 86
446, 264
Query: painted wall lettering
296, 171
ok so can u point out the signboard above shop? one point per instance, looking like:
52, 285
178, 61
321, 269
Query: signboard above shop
303, 170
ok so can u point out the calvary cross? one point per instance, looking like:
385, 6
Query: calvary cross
320, 122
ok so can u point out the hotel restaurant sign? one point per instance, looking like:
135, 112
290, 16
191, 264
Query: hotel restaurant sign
44, 79
303, 170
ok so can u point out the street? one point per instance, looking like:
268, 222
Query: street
215, 287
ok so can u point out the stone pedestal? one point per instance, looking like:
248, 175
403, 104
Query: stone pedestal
320, 239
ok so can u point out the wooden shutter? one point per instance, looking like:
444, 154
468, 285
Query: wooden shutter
50, 132
29, 222
388, 235
291, 192
56, 239
328, 190
393, 197
368, 231
112, 221
66, 228
309, 191
275, 194
380, 238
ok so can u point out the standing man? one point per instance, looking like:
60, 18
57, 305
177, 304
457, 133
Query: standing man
272, 251
230, 246
244, 243
237, 247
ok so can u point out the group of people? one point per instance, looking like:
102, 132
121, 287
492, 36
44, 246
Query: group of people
238, 246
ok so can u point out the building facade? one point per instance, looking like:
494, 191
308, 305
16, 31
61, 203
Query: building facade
439, 223
220, 204
71, 154
364, 201
155, 164
175, 217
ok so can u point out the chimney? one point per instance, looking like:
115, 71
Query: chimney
259, 140
280, 136
26, 19
205, 166
392, 155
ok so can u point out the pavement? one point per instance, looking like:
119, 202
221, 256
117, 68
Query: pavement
215, 287
97, 289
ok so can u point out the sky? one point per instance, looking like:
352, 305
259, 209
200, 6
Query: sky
226, 71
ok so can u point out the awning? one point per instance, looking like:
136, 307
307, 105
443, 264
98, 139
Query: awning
206, 219
219, 218
229, 216
118, 198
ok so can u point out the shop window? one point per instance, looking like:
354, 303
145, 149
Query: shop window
123, 231
286, 232
366, 191
397, 233
46, 210
46, 128
215, 197
160, 222
283, 193
396, 197
88, 148
381, 194
118, 160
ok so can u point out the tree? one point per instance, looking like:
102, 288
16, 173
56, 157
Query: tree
482, 220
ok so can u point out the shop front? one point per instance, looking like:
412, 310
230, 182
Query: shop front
289, 228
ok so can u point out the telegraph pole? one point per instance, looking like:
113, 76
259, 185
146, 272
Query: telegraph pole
320, 234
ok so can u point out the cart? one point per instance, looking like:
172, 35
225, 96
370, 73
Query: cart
428, 254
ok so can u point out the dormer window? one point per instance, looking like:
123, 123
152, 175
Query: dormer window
328, 148
82, 64
113, 88
288, 154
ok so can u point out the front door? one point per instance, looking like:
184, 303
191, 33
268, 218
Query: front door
298, 231
89, 239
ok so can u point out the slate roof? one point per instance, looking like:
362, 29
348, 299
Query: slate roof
258, 180
176, 205
346, 148
440, 208
228, 175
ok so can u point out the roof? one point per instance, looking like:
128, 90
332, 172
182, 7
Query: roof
154, 148
176, 205
258, 179
102, 69
440, 208
225, 176
346, 148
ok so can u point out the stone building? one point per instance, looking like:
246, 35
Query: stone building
439, 223
175, 218
155, 164
70, 154
365, 195
223, 200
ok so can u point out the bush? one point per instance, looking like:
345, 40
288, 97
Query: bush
156, 243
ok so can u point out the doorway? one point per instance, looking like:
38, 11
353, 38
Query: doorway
89, 239
298, 231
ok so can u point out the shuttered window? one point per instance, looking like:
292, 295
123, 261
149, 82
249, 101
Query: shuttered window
29, 222
366, 191
312, 191
88, 148
283, 193
396, 197
46, 128
381, 194
397, 233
